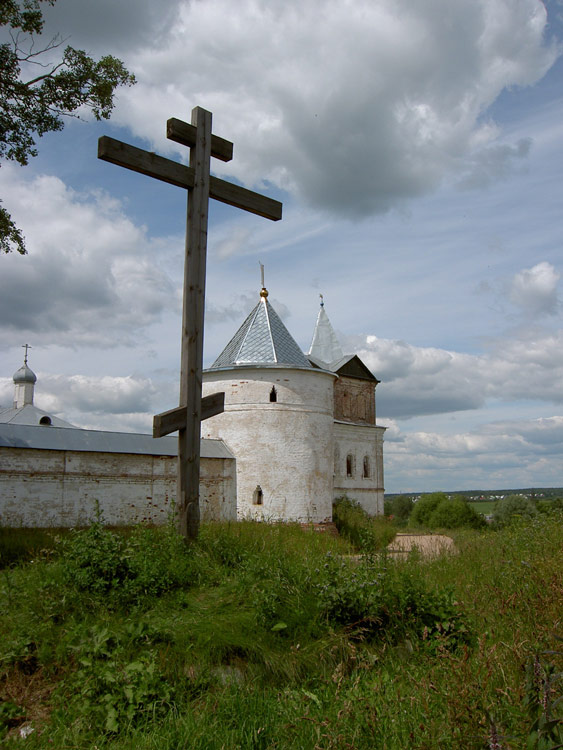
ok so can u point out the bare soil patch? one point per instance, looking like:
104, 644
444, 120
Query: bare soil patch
429, 545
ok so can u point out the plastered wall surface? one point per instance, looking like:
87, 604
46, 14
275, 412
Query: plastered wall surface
284, 447
60, 488
359, 442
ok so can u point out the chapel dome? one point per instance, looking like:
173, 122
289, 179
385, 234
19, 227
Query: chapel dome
25, 375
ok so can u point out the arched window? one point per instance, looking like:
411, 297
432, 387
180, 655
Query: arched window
258, 496
366, 472
45, 420
273, 395
349, 465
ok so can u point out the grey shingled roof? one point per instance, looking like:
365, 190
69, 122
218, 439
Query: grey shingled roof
30, 415
262, 340
46, 437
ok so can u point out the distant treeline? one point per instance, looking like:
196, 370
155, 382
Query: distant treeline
533, 493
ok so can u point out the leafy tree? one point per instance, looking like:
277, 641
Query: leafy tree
399, 507
454, 514
424, 508
513, 506
36, 94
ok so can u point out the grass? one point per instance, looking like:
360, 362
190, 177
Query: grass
484, 506
264, 636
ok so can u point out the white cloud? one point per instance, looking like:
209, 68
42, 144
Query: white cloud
534, 289
93, 277
427, 380
354, 106
498, 455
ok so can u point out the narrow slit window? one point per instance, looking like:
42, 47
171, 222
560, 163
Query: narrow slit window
273, 395
258, 496
349, 465
366, 467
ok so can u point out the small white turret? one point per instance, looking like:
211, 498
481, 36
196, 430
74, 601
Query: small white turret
24, 381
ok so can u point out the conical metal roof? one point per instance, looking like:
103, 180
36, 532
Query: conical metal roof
324, 345
262, 340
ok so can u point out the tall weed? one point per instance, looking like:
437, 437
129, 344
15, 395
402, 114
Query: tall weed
367, 533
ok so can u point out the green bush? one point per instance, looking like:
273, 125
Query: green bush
455, 514
365, 532
389, 601
424, 508
145, 562
111, 688
438, 511
400, 508
513, 506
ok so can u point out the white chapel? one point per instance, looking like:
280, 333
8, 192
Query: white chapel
298, 431
301, 427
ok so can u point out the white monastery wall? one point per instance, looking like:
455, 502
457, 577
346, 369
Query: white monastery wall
285, 447
60, 488
358, 442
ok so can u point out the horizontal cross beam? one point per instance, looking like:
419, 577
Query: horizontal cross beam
152, 165
184, 133
176, 419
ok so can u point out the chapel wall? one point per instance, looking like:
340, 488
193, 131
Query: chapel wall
50, 488
284, 447
353, 444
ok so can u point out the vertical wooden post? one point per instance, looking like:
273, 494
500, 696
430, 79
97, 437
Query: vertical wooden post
192, 328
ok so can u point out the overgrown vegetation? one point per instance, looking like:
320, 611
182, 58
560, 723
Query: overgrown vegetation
366, 533
269, 636
511, 507
438, 511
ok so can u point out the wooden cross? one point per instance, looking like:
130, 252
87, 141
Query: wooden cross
201, 186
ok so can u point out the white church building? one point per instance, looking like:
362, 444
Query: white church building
298, 430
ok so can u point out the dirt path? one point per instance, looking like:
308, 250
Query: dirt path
429, 545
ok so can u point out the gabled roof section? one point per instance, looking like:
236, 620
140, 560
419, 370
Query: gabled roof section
31, 415
262, 340
324, 345
349, 366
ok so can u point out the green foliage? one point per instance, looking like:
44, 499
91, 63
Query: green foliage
400, 507
438, 511
391, 601
549, 506
546, 730
278, 638
511, 507
455, 514
425, 506
10, 715
31, 107
103, 563
110, 688
365, 532
22, 545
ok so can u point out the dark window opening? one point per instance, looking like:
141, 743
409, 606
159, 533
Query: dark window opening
366, 467
349, 465
45, 420
273, 395
258, 496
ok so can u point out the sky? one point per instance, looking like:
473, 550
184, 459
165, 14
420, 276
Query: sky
416, 148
